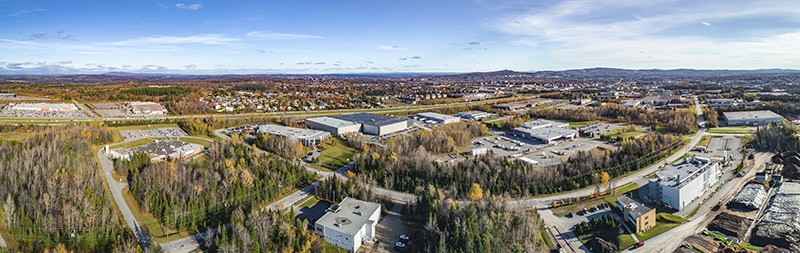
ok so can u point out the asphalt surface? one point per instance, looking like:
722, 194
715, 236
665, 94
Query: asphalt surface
116, 191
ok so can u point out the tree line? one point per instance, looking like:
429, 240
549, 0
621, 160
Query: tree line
202, 193
52, 193
776, 138
682, 121
280, 145
406, 165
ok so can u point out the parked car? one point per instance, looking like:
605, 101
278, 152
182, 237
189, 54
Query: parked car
403, 238
638, 245
399, 245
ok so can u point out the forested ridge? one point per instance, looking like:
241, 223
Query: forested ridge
201, 193
51, 187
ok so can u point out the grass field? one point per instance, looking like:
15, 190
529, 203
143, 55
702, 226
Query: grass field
579, 124
664, 222
612, 235
150, 223
730, 131
704, 141
131, 144
622, 132
15, 136
309, 202
195, 140
335, 154
611, 199
546, 239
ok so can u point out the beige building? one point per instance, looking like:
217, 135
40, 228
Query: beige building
640, 216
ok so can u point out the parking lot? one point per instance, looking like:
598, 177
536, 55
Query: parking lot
719, 145
9, 112
573, 219
546, 154
160, 132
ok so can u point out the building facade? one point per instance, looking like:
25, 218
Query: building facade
349, 224
680, 183
637, 214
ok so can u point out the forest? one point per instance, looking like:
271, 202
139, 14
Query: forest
256, 231
680, 121
479, 226
53, 195
405, 164
280, 145
203, 193
776, 138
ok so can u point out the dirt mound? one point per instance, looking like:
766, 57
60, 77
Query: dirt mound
709, 244
791, 171
730, 225
749, 198
598, 245
773, 249
780, 224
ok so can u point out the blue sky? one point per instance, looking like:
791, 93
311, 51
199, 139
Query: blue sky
355, 36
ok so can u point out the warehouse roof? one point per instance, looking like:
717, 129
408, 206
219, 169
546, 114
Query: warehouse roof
334, 122
678, 174
370, 119
349, 216
539, 123
547, 133
751, 115
291, 132
437, 116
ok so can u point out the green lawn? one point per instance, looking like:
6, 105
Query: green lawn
579, 124
625, 241
131, 144
546, 239
704, 141
330, 248
730, 131
195, 140
664, 222
612, 235
611, 199
621, 133
309, 202
335, 154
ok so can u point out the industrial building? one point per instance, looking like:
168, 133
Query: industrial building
641, 216
749, 118
473, 115
349, 224
306, 136
478, 151
333, 125
44, 107
680, 183
147, 108
521, 105
375, 124
437, 118
367, 123
159, 150
545, 131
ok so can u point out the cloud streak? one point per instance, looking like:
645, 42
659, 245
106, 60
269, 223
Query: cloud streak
281, 36
191, 7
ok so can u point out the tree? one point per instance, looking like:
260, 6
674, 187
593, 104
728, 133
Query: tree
604, 178
475, 192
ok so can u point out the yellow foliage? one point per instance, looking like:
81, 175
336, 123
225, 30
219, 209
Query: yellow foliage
475, 192
604, 178
351, 174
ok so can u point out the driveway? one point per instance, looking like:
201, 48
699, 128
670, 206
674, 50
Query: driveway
390, 228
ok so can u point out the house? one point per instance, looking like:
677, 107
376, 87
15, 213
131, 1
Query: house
349, 224
639, 215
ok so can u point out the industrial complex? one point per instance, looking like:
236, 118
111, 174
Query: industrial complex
350, 223
306, 136
367, 123
680, 183
749, 118
473, 115
159, 150
545, 131
436, 118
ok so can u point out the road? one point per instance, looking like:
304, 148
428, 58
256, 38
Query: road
116, 191
669, 241
545, 201
2, 242
700, 118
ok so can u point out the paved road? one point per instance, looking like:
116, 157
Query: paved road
670, 240
545, 201
2, 242
566, 236
116, 191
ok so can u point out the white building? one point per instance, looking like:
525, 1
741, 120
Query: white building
751, 118
159, 150
527, 160
147, 108
349, 224
473, 115
305, 136
375, 124
44, 107
478, 151
680, 183
332, 125
545, 131
438, 118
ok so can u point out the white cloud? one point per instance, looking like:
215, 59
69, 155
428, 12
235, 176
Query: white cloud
281, 36
191, 7
391, 48
212, 39
650, 34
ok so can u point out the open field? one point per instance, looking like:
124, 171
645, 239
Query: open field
731, 130
579, 124
610, 199
335, 154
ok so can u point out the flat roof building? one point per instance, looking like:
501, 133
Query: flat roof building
521, 105
747, 118
438, 118
159, 150
680, 183
473, 115
546, 131
641, 216
305, 136
375, 124
148, 108
332, 125
45, 107
349, 224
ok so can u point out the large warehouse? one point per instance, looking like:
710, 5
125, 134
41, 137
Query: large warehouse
306, 136
748, 118
680, 183
45, 107
437, 118
333, 125
159, 150
545, 131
